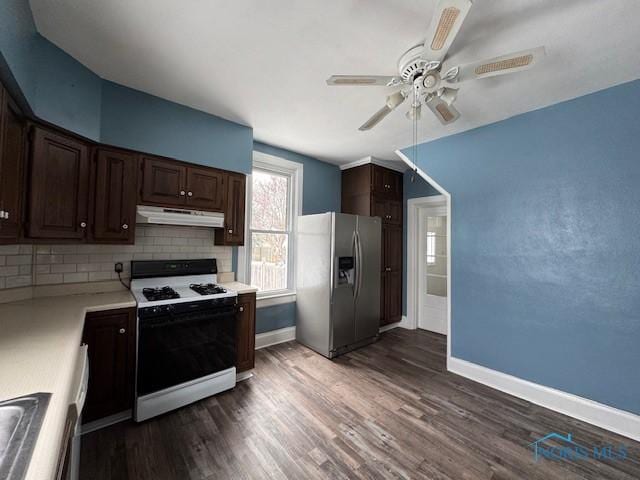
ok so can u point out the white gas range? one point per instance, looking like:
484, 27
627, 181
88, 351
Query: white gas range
186, 334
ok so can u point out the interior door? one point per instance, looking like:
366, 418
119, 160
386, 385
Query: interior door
367, 316
342, 298
163, 182
115, 196
59, 192
432, 270
205, 190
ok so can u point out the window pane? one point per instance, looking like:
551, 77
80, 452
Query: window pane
269, 254
436, 286
269, 201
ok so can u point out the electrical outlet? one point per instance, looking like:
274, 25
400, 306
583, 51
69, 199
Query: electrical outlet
119, 267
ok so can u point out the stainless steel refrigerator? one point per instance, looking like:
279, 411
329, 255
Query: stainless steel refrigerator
337, 281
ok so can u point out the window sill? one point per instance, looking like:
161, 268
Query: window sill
271, 299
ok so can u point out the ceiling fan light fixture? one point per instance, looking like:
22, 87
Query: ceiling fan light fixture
445, 25
395, 99
449, 95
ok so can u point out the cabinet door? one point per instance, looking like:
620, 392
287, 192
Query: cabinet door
12, 141
391, 297
393, 184
115, 175
205, 189
163, 182
246, 332
59, 187
394, 212
233, 232
110, 337
391, 248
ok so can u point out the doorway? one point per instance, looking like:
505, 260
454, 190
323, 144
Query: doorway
428, 264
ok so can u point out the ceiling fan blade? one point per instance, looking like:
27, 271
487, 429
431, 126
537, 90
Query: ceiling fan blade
511, 63
445, 25
393, 101
363, 80
446, 113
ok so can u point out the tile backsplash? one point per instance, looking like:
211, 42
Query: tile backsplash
26, 265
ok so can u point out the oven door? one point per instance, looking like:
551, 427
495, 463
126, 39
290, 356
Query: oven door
179, 346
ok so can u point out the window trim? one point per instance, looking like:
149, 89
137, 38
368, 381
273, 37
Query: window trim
295, 171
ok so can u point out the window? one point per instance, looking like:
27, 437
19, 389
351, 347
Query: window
274, 205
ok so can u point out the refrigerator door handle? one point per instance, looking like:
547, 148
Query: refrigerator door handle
358, 279
354, 249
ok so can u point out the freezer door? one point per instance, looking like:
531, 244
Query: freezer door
342, 301
313, 281
367, 311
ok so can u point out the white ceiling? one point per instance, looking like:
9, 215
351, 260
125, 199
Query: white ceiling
264, 63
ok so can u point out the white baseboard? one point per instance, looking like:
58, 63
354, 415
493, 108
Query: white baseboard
610, 418
106, 421
405, 323
274, 337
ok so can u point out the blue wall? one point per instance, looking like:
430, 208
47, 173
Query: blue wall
18, 37
67, 93
410, 189
140, 121
321, 192
545, 258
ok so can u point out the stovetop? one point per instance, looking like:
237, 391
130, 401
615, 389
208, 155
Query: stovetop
179, 289
154, 294
207, 288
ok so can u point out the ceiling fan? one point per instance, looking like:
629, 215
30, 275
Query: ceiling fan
422, 77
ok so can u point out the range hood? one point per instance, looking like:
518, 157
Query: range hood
179, 216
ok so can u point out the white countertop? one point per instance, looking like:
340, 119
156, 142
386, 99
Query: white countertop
239, 288
39, 346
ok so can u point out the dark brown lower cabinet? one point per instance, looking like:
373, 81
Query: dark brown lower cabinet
111, 340
391, 298
246, 332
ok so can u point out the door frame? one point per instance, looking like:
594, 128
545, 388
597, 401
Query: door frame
415, 207
412, 247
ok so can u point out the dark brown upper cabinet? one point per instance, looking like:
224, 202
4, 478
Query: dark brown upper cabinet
163, 182
58, 186
233, 231
386, 182
170, 183
205, 189
12, 184
115, 180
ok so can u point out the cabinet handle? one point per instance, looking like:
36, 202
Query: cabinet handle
190, 194
388, 269
122, 330
230, 231
241, 309
6, 215
83, 224
182, 192
125, 226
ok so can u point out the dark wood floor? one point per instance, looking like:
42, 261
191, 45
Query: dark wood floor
389, 410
